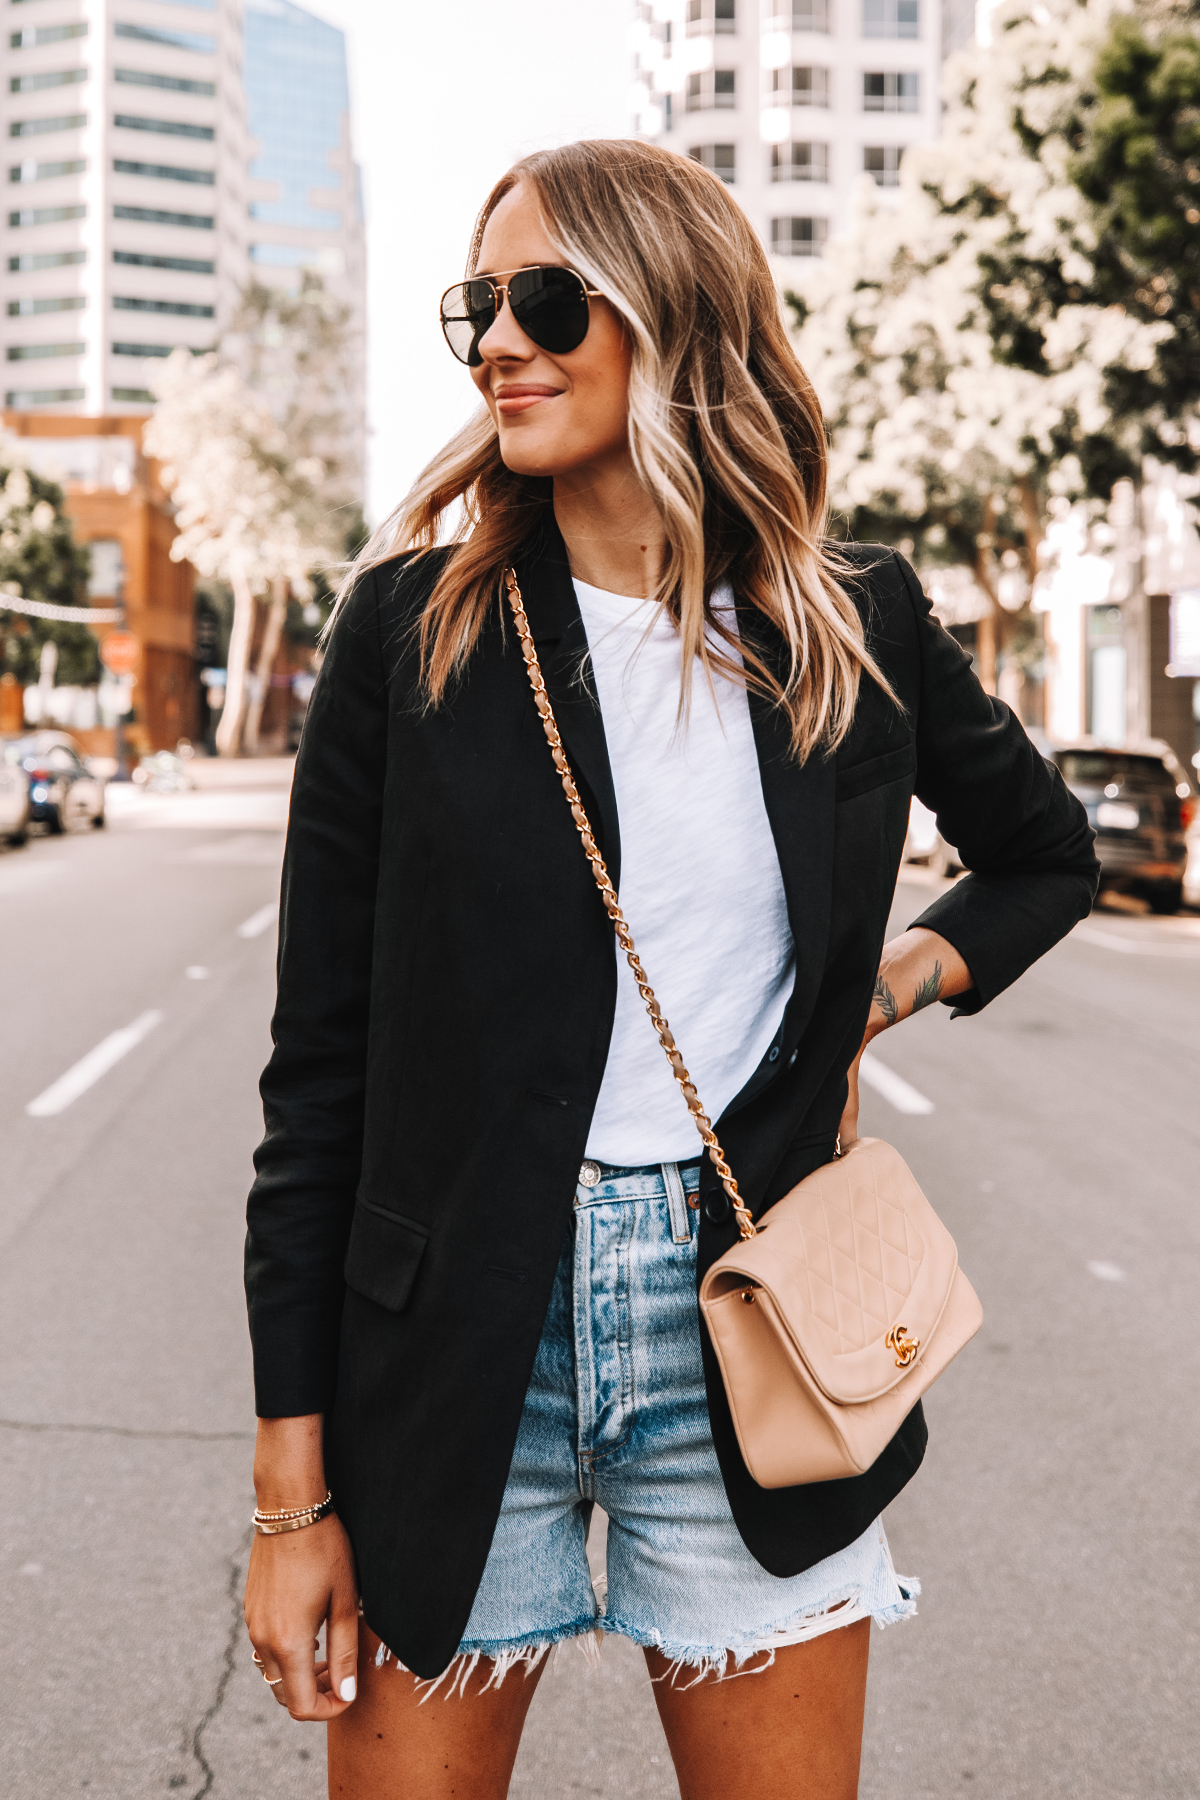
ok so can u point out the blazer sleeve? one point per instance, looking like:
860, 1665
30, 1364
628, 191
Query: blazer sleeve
1017, 828
307, 1166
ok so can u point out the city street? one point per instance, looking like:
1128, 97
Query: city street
1056, 1653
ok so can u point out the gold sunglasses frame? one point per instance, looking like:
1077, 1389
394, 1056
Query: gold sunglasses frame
501, 287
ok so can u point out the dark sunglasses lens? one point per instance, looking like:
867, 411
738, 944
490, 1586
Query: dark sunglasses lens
468, 310
551, 307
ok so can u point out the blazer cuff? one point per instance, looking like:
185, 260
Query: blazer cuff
1001, 924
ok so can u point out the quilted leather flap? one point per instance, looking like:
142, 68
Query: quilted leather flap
854, 1252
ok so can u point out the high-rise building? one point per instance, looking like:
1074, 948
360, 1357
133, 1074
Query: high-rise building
792, 102
305, 187
125, 231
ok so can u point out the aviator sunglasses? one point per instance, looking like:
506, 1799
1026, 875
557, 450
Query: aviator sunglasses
549, 304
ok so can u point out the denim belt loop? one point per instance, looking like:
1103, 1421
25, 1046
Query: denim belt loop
681, 1225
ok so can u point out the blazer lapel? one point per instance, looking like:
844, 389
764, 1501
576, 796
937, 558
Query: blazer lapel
799, 799
558, 631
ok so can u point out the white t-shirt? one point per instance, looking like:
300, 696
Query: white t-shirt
700, 884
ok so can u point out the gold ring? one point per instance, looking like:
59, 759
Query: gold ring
268, 1680
256, 1659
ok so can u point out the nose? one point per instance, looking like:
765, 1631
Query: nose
504, 338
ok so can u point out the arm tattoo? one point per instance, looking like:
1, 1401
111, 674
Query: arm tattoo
885, 1000
930, 989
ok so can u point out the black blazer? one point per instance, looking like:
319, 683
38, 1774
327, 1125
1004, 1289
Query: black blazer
447, 981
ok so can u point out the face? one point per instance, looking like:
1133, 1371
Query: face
557, 415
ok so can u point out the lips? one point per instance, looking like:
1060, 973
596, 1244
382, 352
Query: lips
519, 396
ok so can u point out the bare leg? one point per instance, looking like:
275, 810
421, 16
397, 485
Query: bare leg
387, 1746
793, 1732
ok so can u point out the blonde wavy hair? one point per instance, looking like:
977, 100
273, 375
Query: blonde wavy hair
725, 432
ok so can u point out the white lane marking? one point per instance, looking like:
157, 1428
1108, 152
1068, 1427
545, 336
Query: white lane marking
1109, 940
88, 1070
895, 1090
1105, 1271
196, 972
258, 922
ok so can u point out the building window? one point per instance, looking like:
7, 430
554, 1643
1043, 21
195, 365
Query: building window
183, 308
882, 163
165, 172
43, 127
22, 309
720, 158
711, 88
46, 171
151, 215
37, 352
133, 396
45, 259
142, 349
186, 265
19, 398
891, 18
174, 84
166, 127
45, 34
176, 40
704, 16
52, 78
668, 111
800, 86
891, 92
800, 15
798, 237
800, 162
46, 215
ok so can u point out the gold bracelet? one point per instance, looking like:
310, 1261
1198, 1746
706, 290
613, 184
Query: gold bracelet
271, 1525
290, 1512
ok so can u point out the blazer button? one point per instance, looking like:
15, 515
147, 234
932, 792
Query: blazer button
717, 1208
773, 1053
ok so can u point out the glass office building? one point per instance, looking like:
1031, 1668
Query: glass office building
305, 190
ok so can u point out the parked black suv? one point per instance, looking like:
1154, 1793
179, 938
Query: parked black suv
1140, 803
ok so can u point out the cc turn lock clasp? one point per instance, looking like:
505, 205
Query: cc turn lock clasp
905, 1348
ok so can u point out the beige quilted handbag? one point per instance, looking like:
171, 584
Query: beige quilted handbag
832, 1317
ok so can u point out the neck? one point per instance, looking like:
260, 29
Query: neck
611, 528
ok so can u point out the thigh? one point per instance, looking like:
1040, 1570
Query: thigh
393, 1745
792, 1730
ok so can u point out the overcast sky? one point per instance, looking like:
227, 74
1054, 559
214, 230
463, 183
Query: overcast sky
445, 95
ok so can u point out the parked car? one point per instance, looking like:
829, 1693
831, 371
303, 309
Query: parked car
63, 792
14, 802
1140, 803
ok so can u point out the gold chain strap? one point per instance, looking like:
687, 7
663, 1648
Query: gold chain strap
608, 894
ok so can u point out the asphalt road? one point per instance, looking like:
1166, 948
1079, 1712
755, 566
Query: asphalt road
1053, 1525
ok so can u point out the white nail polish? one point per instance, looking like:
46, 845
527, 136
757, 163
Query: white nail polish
348, 1688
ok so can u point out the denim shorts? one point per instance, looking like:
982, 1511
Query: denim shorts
616, 1416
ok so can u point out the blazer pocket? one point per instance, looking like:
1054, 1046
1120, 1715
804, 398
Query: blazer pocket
383, 1256
877, 771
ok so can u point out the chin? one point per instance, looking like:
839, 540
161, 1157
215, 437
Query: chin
529, 459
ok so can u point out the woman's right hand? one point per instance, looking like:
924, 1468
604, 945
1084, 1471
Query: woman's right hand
299, 1580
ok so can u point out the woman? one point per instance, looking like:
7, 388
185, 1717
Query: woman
480, 1213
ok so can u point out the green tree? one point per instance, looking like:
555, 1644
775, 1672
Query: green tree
40, 560
1137, 161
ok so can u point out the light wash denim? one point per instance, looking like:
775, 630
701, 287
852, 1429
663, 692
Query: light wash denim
616, 1415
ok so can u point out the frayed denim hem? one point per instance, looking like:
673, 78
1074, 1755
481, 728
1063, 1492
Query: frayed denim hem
503, 1656
702, 1661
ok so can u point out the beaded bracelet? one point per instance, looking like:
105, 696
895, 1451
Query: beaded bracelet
294, 1518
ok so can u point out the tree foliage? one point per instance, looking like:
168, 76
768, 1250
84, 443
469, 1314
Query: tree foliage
258, 455
997, 343
40, 560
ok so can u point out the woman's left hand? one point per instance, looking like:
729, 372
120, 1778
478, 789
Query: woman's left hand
915, 969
